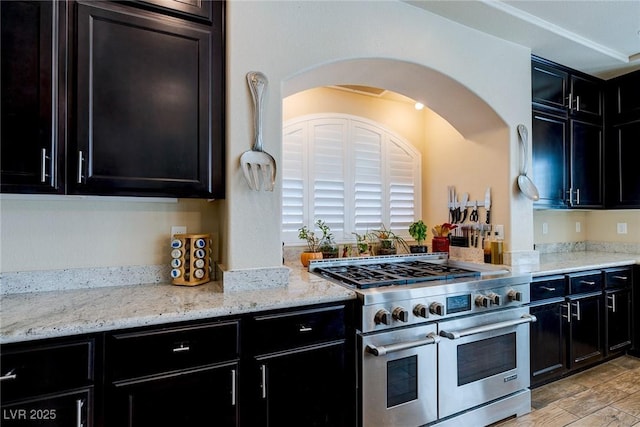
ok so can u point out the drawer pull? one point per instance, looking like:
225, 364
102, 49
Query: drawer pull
625, 278
612, 298
9, 376
546, 288
585, 282
181, 348
304, 328
568, 316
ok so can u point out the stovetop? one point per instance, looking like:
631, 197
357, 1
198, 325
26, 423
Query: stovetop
372, 275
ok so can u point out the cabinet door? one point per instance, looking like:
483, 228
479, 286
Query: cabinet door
307, 387
623, 174
585, 337
32, 37
549, 86
586, 97
144, 104
196, 8
623, 98
618, 318
61, 410
550, 147
586, 165
548, 342
197, 398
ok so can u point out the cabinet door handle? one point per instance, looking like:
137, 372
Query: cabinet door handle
570, 196
233, 387
9, 376
79, 404
577, 315
570, 101
80, 164
263, 384
578, 106
43, 165
546, 288
587, 282
568, 315
612, 297
578, 194
181, 348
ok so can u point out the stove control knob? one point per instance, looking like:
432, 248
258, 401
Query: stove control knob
494, 298
382, 316
400, 314
421, 310
483, 301
436, 308
514, 295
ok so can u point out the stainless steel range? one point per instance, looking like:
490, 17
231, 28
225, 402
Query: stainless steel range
439, 342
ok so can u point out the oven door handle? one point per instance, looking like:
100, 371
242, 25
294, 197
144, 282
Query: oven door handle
454, 335
381, 350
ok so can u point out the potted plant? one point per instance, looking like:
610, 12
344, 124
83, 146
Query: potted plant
313, 245
362, 244
387, 240
328, 247
418, 230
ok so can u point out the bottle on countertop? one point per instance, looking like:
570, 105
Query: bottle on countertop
496, 249
486, 245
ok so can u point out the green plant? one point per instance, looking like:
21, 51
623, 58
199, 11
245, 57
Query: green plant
387, 238
418, 231
327, 245
362, 243
313, 241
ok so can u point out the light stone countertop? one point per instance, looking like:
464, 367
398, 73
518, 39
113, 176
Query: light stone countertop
39, 315
565, 262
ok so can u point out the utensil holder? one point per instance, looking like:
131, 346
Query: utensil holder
191, 259
440, 244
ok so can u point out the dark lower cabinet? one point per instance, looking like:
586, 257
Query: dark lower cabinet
60, 410
304, 387
586, 344
201, 397
548, 342
618, 320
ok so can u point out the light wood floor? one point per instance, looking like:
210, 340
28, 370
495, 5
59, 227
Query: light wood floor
606, 395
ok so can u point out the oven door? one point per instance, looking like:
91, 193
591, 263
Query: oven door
482, 358
398, 377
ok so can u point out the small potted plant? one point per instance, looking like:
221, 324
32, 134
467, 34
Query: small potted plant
387, 241
362, 244
313, 245
418, 230
328, 247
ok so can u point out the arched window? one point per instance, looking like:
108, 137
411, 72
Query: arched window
350, 172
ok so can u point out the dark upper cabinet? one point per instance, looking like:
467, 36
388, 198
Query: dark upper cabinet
566, 91
33, 37
149, 103
550, 145
567, 137
202, 9
623, 142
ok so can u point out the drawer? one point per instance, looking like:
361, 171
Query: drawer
149, 352
29, 371
285, 331
584, 282
548, 287
618, 277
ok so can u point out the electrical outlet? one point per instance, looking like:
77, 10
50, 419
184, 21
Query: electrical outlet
578, 226
178, 229
622, 228
545, 228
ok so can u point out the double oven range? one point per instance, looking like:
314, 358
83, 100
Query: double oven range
439, 342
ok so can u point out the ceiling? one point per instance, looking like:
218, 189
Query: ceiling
598, 37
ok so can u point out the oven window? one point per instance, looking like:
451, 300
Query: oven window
481, 359
402, 381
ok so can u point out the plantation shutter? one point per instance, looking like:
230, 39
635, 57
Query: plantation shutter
349, 172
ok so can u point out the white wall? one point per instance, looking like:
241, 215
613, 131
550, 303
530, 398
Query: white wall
289, 40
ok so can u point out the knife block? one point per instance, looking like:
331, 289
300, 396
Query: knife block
194, 259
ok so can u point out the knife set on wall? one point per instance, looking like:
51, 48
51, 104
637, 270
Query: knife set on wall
468, 234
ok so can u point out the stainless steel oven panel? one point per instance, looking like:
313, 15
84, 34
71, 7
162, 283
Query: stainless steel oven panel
468, 374
409, 398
